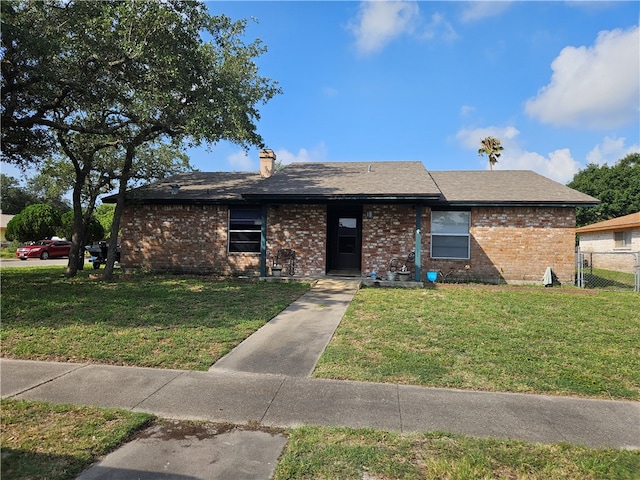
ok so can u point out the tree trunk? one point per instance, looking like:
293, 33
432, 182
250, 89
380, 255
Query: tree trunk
117, 214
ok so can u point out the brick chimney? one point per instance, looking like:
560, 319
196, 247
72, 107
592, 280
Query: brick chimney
267, 163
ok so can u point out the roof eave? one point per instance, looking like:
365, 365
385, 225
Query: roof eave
333, 198
518, 204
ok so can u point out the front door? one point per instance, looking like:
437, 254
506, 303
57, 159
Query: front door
344, 240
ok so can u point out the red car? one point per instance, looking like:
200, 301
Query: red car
44, 249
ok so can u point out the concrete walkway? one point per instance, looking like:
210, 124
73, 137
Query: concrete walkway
265, 380
293, 341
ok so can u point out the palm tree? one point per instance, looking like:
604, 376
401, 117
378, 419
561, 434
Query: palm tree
490, 147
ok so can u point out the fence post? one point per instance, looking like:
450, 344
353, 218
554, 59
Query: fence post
579, 268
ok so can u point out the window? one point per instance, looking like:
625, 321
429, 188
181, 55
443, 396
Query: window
450, 234
245, 225
622, 239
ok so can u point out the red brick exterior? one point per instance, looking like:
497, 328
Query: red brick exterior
508, 244
515, 245
302, 228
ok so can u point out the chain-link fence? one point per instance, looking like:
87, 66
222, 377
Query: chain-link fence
617, 271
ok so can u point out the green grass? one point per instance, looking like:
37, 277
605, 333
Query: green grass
533, 340
152, 321
608, 279
56, 442
329, 453
41, 441
559, 341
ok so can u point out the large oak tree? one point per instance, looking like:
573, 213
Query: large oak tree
115, 76
616, 186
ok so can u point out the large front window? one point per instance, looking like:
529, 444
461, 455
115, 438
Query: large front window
450, 235
245, 225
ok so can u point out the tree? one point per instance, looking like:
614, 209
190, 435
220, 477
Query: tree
34, 223
617, 187
143, 74
104, 214
491, 147
95, 232
40, 189
13, 197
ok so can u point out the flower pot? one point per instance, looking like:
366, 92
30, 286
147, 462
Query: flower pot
403, 276
391, 276
276, 271
432, 276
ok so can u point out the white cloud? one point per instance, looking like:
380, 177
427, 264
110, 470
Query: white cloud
329, 92
467, 110
470, 138
479, 10
558, 165
593, 87
610, 151
380, 22
438, 27
316, 154
242, 162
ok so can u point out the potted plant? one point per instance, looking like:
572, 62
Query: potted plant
276, 270
403, 274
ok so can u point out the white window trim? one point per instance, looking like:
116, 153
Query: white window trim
467, 235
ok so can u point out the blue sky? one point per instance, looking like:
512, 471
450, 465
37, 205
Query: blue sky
557, 82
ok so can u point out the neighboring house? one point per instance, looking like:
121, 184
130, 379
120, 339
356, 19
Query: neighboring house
4, 220
354, 218
612, 244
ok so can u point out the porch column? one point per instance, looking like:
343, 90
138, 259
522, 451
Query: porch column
418, 250
263, 242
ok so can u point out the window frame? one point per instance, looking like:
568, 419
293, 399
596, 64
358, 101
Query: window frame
230, 230
625, 242
466, 235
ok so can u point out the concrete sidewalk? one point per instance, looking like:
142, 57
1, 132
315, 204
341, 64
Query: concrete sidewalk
265, 381
281, 401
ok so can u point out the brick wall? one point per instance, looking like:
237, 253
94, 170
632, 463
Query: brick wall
516, 245
182, 238
388, 234
622, 259
302, 228
507, 244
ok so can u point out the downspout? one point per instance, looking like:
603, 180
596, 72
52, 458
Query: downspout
418, 249
263, 242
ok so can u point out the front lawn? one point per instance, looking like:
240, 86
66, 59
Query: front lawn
321, 453
182, 322
510, 339
41, 441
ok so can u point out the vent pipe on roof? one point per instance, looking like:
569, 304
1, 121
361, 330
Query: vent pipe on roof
369, 169
267, 163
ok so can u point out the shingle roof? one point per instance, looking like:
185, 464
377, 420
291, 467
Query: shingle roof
349, 179
378, 181
196, 187
506, 187
619, 223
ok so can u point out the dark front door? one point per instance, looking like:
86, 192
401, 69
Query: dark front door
344, 240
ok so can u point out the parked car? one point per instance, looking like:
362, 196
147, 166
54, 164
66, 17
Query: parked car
44, 249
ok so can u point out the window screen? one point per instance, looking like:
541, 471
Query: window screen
245, 229
450, 235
